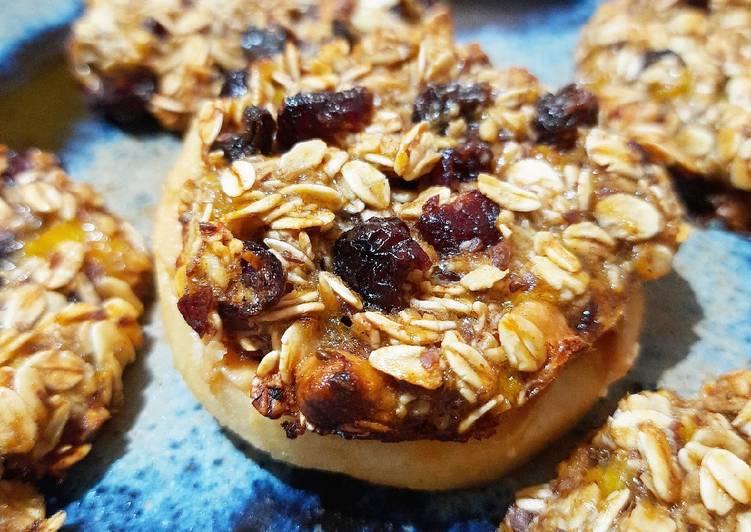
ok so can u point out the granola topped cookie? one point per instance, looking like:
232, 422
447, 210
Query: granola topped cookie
72, 277
673, 76
659, 463
164, 57
409, 245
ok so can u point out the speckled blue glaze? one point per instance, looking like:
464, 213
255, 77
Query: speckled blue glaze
163, 463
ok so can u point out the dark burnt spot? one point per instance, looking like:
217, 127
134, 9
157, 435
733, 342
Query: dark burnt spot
260, 285
375, 257
258, 43
654, 56
292, 429
324, 115
235, 84
257, 137
465, 224
463, 163
195, 307
588, 319
442, 103
125, 93
330, 392
560, 115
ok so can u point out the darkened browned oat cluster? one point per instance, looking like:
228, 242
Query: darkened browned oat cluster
660, 463
71, 281
393, 240
674, 76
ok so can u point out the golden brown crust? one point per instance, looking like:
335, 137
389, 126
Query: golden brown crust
22, 509
660, 463
421, 464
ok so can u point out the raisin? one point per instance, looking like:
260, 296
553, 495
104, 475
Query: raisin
324, 115
465, 224
125, 94
560, 114
699, 4
653, 56
260, 285
235, 84
258, 43
195, 307
439, 104
155, 27
345, 30
258, 136
259, 129
15, 163
375, 257
462, 164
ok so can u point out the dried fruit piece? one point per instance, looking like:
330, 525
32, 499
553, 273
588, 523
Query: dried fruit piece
375, 257
465, 224
258, 43
323, 115
559, 115
195, 307
258, 136
439, 104
259, 286
653, 56
463, 163
125, 94
235, 84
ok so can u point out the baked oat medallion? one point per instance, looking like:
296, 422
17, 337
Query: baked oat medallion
164, 57
72, 278
674, 75
409, 246
659, 463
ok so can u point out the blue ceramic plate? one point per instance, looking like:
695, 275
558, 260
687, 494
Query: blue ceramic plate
163, 463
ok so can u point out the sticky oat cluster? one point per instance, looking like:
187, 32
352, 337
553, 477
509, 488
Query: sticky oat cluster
393, 240
659, 463
71, 281
165, 57
673, 75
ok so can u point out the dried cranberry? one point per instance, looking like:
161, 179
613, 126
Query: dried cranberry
195, 307
518, 520
560, 114
654, 56
259, 129
375, 257
323, 115
258, 43
500, 255
462, 164
465, 224
258, 136
125, 94
439, 104
260, 285
235, 84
